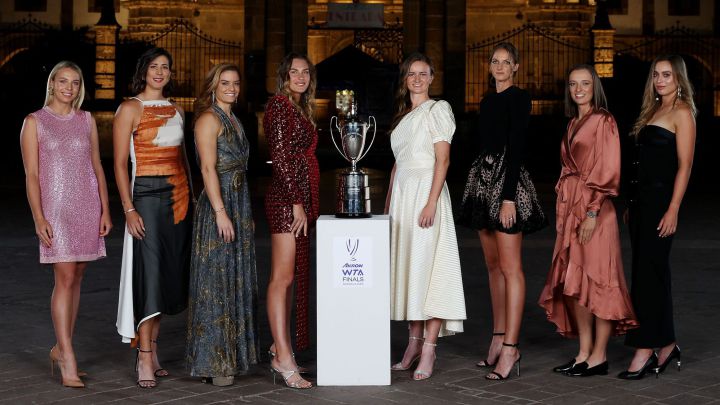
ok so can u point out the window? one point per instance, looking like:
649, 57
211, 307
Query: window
31, 5
617, 6
95, 6
683, 7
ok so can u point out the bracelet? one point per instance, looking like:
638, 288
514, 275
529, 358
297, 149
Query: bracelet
129, 210
508, 202
219, 210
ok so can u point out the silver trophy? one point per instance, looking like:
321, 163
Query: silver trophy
353, 192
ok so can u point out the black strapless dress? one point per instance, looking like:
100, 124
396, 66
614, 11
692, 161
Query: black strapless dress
651, 191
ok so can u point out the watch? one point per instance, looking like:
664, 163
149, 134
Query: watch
591, 214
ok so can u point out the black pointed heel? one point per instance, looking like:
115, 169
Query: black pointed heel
650, 364
675, 354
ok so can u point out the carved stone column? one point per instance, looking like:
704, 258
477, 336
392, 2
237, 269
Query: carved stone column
603, 36
106, 36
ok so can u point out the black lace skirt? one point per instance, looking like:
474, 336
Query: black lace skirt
480, 207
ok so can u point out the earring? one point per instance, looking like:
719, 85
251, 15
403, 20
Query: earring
51, 91
213, 96
657, 98
679, 92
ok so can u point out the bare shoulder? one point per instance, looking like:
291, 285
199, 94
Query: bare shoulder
207, 119
129, 107
682, 113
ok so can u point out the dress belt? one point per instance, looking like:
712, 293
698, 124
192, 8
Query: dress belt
417, 164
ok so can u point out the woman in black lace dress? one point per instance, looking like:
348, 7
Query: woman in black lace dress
501, 204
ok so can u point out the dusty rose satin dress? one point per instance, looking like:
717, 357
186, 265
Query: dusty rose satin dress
591, 273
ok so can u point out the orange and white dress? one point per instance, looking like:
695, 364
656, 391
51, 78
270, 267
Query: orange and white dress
155, 269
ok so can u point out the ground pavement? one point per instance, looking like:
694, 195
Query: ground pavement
26, 332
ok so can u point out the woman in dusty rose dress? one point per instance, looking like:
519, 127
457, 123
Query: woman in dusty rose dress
585, 294
68, 197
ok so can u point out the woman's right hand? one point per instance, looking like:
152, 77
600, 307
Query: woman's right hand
299, 223
44, 232
226, 230
135, 224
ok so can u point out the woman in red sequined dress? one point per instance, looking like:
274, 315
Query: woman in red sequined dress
291, 206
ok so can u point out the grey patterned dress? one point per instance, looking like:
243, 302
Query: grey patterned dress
222, 338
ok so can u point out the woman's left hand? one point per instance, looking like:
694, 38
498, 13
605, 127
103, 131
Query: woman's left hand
586, 229
668, 223
427, 216
105, 224
508, 214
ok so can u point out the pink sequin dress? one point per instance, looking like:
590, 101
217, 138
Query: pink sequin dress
68, 187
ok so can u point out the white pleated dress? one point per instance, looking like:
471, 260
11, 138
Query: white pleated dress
425, 265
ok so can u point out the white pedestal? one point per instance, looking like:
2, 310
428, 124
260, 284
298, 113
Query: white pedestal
353, 301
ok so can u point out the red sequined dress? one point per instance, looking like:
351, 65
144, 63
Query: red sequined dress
292, 140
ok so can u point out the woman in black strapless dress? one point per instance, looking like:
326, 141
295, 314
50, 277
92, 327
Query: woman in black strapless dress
665, 134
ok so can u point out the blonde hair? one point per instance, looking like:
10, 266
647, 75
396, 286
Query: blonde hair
205, 101
651, 100
49, 91
307, 99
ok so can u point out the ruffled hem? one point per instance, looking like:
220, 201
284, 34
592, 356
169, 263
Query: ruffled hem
481, 203
448, 327
605, 302
475, 216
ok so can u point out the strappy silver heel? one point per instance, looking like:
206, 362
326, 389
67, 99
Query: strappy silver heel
399, 366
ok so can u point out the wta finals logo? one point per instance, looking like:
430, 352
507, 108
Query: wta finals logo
352, 261
352, 248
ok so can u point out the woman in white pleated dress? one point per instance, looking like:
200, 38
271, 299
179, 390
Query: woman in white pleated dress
426, 284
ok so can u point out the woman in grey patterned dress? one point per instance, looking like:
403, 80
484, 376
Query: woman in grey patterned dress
222, 331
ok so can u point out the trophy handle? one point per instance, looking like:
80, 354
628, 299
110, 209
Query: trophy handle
374, 127
334, 122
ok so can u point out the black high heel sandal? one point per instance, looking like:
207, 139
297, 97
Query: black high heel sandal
675, 354
143, 383
495, 376
650, 364
486, 363
161, 372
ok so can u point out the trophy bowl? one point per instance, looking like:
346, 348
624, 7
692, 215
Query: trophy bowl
353, 190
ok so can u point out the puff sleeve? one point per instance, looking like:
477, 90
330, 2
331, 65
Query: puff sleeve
441, 122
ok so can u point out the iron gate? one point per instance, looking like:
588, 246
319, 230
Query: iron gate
193, 52
544, 60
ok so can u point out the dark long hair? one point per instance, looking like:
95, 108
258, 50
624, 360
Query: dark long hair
599, 101
205, 101
403, 105
143, 64
307, 99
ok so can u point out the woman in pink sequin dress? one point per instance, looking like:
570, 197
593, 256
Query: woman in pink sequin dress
68, 197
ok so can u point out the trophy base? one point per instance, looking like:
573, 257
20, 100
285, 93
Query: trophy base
353, 215
353, 198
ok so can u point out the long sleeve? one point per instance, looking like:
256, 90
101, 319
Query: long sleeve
285, 161
604, 176
520, 107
